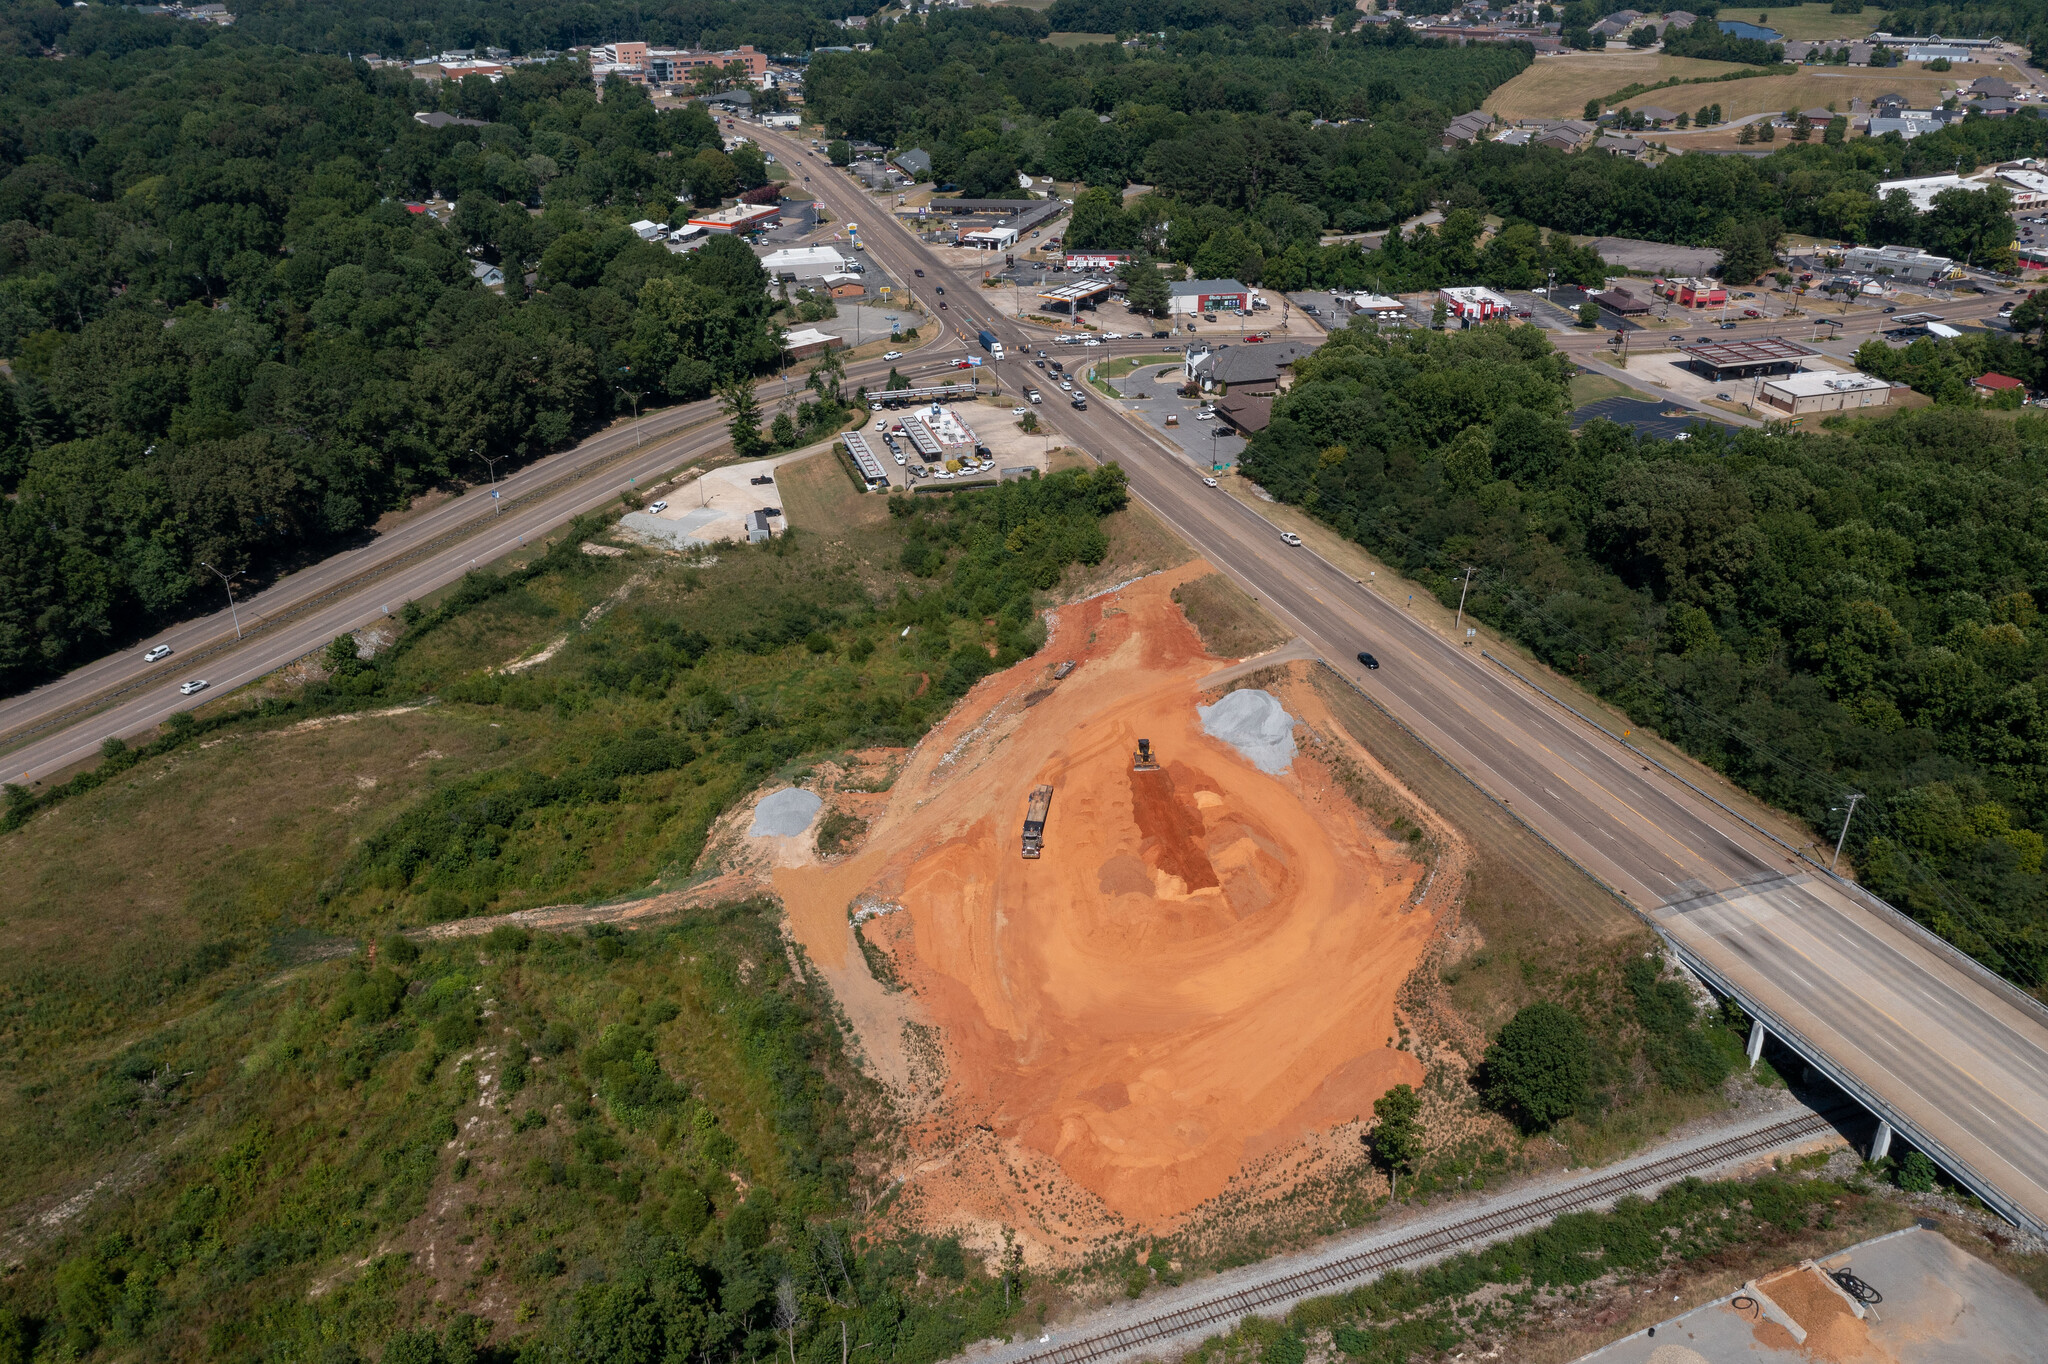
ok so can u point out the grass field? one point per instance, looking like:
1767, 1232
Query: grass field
1813, 22
1080, 39
1558, 87
819, 499
1230, 623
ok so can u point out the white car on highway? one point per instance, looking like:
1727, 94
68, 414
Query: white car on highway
193, 687
1209, 482
892, 355
1091, 341
1290, 537
160, 651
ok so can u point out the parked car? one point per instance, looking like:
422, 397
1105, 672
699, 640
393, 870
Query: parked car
1208, 317
160, 651
1205, 415
1751, 312
193, 687
658, 507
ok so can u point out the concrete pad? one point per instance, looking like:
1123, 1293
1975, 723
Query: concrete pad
785, 813
1941, 1305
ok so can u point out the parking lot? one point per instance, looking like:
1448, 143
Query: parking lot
1204, 442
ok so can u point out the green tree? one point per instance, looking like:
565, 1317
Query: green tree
1540, 1066
742, 418
1589, 314
1397, 1130
1705, 117
1749, 248
839, 152
1591, 113
1145, 287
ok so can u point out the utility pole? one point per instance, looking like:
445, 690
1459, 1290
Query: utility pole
1854, 796
226, 581
1461, 597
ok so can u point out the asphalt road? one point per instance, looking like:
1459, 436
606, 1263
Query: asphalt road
62, 723
1947, 1056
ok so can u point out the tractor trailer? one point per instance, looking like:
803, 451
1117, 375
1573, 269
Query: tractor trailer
1034, 820
991, 345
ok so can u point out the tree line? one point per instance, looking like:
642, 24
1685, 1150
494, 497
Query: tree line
238, 338
1855, 609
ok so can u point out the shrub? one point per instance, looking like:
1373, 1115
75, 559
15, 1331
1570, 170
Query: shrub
1539, 1067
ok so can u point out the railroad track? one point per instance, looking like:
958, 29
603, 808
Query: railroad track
1227, 1308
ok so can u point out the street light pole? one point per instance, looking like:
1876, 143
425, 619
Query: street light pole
226, 582
1461, 597
1854, 796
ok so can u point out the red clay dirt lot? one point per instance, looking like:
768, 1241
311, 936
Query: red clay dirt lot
1195, 984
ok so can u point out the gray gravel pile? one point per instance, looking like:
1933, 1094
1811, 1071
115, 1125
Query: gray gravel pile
785, 813
1255, 724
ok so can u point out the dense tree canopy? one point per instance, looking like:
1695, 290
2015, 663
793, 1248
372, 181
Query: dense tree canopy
1811, 613
233, 341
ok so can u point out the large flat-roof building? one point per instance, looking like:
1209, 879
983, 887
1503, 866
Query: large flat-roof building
1897, 262
738, 218
1823, 391
1200, 295
803, 262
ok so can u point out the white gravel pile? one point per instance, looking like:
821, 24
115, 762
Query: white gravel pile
785, 813
1255, 724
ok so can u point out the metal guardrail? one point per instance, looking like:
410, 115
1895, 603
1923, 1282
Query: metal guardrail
1959, 1169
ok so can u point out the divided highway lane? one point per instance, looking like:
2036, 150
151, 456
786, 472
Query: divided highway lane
63, 722
1946, 1054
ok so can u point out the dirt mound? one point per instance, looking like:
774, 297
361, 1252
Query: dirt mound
1200, 971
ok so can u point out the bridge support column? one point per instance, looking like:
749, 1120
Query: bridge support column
1881, 1144
1756, 1042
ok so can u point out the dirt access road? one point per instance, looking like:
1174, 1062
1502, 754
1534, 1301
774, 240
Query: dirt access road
1948, 1054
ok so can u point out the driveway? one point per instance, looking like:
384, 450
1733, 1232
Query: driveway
1202, 442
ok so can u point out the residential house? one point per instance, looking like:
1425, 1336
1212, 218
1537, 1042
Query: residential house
1466, 128
1991, 385
915, 163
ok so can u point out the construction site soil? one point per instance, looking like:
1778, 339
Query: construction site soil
1189, 999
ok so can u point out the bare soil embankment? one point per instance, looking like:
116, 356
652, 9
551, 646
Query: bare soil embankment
1195, 986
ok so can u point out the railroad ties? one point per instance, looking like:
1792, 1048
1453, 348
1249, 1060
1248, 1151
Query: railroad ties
1346, 1271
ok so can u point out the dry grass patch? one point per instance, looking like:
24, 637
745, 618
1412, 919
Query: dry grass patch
1230, 623
818, 499
1558, 87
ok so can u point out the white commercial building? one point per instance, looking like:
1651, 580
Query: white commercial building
1379, 307
1897, 262
1824, 391
990, 238
803, 262
1923, 190
2028, 188
1474, 304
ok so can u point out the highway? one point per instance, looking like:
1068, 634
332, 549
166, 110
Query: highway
1955, 1060
62, 723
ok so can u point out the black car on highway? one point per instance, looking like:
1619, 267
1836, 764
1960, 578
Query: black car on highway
1369, 661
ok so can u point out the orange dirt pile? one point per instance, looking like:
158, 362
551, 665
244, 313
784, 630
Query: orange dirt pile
1834, 1333
1200, 971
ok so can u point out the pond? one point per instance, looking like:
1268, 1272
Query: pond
1745, 30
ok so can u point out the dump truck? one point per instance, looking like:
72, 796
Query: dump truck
1034, 820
